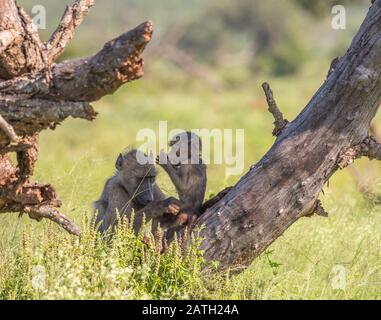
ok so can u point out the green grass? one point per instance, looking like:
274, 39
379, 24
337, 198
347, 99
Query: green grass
79, 156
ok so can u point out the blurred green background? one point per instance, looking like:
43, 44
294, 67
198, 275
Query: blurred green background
204, 69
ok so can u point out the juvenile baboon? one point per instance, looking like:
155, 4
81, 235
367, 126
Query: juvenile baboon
187, 171
133, 187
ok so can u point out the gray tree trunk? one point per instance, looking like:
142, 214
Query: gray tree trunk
328, 135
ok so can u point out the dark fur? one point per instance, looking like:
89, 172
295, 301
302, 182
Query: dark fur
189, 180
133, 187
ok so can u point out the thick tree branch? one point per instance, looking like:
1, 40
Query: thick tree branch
27, 86
89, 79
43, 212
39, 114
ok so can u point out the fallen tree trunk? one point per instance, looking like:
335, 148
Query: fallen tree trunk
329, 134
36, 94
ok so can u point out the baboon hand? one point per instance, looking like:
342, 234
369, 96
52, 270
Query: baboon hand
186, 219
173, 206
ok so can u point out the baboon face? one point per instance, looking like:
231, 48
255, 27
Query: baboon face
185, 148
138, 179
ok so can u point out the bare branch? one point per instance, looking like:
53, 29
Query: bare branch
280, 122
117, 63
369, 148
39, 201
83, 79
23, 145
72, 18
44, 110
51, 213
44, 212
27, 85
39, 114
319, 210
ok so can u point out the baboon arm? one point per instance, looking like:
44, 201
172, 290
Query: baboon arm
173, 174
159, 209
153, 210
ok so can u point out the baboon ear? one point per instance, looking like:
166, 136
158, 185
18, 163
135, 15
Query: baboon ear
119, 162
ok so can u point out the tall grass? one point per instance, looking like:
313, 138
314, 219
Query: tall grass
58, 266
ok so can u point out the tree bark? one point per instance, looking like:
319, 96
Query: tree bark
37, 94
329, 134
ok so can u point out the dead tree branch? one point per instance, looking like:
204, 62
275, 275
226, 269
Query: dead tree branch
318, 210
91, 78
72, 18
36, 94
280, 123
361, 183
51, 213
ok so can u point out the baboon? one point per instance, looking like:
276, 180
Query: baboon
187, 171
133, 187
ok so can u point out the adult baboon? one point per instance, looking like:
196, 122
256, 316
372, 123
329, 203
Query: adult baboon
133, 187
